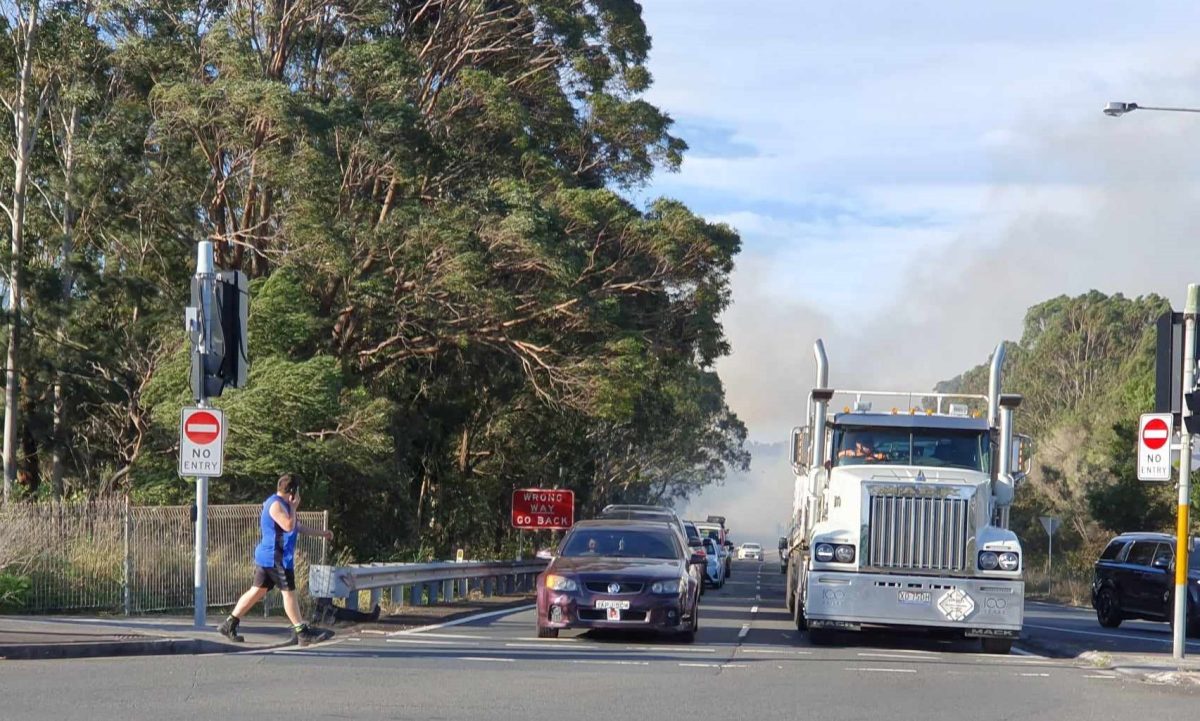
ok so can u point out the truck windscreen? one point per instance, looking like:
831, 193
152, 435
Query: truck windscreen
859, 445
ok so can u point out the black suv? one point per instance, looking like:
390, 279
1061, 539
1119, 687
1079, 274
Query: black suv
1135, 578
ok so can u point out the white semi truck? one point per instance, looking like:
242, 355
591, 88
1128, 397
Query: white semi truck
900, 514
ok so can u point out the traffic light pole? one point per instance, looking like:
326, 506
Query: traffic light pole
1185, 471
205, 275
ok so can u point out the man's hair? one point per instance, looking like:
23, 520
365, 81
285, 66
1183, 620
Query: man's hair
288, 484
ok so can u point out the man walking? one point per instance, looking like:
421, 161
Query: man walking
275, 560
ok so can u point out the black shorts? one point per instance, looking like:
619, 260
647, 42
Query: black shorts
269, 578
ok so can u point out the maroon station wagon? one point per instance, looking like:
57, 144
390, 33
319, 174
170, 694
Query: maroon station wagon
618, 574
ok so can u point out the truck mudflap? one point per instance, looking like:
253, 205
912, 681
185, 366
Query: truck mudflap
982, 608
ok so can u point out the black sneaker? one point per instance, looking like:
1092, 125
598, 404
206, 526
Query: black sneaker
309, 635
229, 629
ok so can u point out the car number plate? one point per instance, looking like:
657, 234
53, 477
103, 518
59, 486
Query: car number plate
615, 605
915, 598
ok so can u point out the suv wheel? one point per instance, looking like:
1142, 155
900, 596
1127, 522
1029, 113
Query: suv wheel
1108, 608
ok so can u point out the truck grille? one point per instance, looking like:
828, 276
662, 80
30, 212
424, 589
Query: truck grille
918, 533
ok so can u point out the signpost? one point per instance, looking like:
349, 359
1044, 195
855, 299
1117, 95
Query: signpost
1051, 524
1175, 396
216, 324
540, 509
1154, 449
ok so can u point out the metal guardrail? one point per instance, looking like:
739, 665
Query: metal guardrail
419, 584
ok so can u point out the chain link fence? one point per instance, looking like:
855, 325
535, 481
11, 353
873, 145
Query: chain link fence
110, 556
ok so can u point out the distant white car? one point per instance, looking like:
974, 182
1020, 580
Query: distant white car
751, 551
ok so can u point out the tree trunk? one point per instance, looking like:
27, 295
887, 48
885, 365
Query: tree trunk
25, 127
69, 216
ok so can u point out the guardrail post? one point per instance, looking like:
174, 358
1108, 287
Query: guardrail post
448, 589
507, 580
464, 588
376, 596
433, 592
397, 595
489, 586
352, 600
416, 594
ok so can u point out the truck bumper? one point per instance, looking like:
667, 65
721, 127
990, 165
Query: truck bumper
980, 607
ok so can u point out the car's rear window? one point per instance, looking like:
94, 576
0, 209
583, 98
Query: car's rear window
611, 543
1113, 550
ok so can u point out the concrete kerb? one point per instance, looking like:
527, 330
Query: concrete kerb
1152, 669
112, 649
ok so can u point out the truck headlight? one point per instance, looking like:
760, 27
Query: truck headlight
844, 554
988, 561
824, 552
1009, 561
560, 583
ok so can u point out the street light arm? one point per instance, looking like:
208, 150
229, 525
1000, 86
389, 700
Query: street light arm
1170, 110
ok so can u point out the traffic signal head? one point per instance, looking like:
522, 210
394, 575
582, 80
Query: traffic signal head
1191, 420
224, 317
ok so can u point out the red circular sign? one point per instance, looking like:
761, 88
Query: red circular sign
1155, 434
202, 428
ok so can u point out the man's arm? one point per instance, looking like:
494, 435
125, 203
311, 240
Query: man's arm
310, 531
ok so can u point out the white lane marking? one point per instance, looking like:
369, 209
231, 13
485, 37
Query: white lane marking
467, 619
594, 662
1125, 636
676, 649
753, 609
424, 642
446, 635
1034, 675
889, 655
882, 670
541, 644
777, 651
486, 658
1099, 675
712, 665
931, 654
745, 630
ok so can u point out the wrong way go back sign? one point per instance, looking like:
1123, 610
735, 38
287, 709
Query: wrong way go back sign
1154, 447
201, 442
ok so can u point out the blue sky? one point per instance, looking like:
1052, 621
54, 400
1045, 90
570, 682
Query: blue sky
909, 177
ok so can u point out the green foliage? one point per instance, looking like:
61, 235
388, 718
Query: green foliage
451, 296
14, 590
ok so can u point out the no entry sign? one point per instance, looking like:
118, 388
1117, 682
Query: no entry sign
201, 442
542, 509
1154, 449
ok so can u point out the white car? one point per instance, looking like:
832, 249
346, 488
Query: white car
715, 569
751, 551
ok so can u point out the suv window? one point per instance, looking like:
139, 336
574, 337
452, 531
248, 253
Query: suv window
1142, 553
1113, 550
1165, 552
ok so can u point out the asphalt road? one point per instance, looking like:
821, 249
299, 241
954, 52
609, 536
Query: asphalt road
748, 662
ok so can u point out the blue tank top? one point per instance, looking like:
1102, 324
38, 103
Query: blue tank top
277, 547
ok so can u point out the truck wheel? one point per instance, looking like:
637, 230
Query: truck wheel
1108, 608
999, 646
798, 613
789, 594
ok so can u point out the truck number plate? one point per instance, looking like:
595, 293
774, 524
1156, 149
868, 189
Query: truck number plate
915, 598
622, 605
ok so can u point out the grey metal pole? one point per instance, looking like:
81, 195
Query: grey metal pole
1179, 637
205, 272
127, 565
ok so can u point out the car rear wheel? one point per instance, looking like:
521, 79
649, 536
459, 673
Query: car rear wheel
1108, 608
543, 632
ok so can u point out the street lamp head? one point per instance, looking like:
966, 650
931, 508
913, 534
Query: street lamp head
1116, 110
